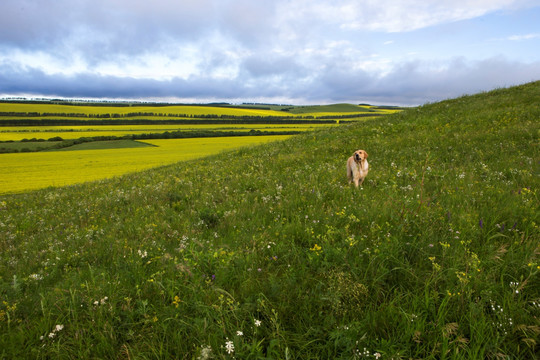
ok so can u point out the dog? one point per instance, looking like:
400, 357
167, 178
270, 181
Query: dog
357, 167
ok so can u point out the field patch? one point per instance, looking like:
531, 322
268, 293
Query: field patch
103, 145
18, 133
31, 171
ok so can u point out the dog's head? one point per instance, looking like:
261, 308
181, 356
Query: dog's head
360, 155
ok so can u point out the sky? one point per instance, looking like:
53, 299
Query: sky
390, 52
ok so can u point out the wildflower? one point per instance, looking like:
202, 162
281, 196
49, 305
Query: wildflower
239, 333
377, 355
514, 286
101, 302
206, 353
35, 277
53, 333
142, 254
258, 323
229, 346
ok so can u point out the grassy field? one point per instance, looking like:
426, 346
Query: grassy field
101, 160
104, 145
267, 252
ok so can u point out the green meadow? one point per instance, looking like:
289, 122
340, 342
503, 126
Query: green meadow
266, 252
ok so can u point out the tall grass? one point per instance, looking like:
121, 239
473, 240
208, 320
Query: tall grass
267, 252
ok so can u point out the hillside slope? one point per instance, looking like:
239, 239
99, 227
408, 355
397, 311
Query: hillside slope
268, 252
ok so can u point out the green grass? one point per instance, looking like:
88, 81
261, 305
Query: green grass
270, 250
333, 108
110, 144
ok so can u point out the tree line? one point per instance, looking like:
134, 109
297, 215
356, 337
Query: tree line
194, 121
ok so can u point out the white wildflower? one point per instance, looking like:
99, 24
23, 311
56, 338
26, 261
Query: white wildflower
515, 286
36, 277
229, 346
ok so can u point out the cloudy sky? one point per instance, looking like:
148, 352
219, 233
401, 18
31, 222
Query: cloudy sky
406, 52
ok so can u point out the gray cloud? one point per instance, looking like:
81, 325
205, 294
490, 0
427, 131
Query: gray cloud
408, 84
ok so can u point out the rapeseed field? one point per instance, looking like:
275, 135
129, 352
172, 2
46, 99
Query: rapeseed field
36, 170
18, 133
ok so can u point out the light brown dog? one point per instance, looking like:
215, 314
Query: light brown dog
357, 167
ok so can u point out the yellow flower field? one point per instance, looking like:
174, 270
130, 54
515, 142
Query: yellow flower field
172, 109
31, 171
17, 133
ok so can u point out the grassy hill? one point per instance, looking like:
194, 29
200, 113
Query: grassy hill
333, 108
267, 252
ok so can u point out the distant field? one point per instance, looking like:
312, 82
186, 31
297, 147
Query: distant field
174, 109
49, 110
30, 156
18, 133
328, 109
103, 145
29, 171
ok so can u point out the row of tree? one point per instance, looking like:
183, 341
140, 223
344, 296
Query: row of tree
197, 121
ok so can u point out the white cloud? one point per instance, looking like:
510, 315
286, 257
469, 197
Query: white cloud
523, 37
408, 15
